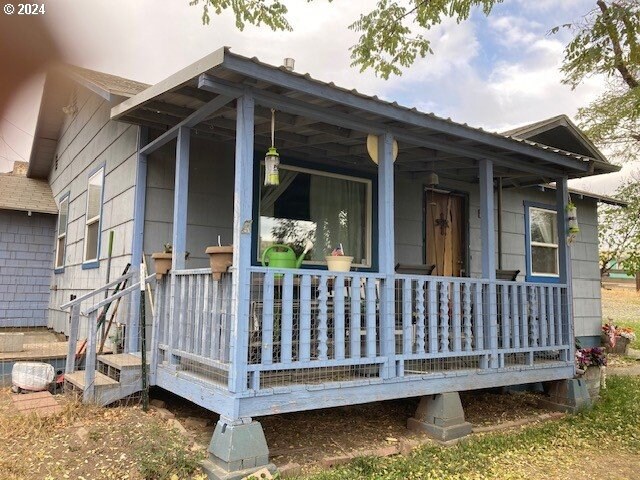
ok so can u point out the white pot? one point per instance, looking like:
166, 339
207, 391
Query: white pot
339, 263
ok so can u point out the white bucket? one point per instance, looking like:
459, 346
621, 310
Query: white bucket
339, 263
32, 376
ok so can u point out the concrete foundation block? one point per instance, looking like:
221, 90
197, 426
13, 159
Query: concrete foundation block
236, 451
440, 416
568, 395
11, 342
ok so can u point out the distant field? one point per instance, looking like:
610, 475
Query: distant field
622, 306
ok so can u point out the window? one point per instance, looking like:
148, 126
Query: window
324, 208
92, 218
542, 243
61, 240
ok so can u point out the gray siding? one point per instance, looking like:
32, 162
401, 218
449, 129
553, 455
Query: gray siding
88, 140
584, 253
210, 209
26, 257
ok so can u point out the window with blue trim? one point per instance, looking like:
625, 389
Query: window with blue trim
324, 208
542, 244
93, 216
61, 237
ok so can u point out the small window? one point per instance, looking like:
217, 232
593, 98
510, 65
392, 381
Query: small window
543, 243
61, 240
92, 219
325, 208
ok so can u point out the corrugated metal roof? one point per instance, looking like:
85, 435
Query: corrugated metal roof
17, 192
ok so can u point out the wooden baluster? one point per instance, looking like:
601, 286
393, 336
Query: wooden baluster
444, 316
72, 344
267, 319
506, 323
338, 317
524, 305
478, 319
515, 316
206, 316
466, 315
286, 340
420, 320
305, 318
552, 316
197, 318
432, 287
543, 317
533, 305
182, 312
88, 395
407, 340
558, 307
216, 319
371, 303
323, 337
456, 324
356, 318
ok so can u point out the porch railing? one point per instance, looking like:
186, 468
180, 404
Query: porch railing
314, 326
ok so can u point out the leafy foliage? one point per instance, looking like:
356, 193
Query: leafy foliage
619, 230
271, 13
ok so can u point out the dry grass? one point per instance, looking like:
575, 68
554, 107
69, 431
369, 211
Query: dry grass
622, 307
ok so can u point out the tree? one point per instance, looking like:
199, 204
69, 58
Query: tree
619, 230
392, 36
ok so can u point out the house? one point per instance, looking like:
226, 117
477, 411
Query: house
438, 298
27, 226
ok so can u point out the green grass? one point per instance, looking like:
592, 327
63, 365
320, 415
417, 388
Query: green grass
613, 425
635, 326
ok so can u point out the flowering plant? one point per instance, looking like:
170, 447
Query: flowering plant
591, 357
612, 331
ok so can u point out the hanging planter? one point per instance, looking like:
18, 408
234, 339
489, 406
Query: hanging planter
272, 158
572, 223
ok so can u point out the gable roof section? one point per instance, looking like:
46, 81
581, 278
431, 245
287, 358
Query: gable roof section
58, 86
17, 192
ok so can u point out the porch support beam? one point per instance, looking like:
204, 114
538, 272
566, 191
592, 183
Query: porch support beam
140, 195
386, 250
298, 107
564, 260
181, 199
242, 219
488, 241
191, 121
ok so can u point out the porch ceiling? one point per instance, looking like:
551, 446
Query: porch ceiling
322, 122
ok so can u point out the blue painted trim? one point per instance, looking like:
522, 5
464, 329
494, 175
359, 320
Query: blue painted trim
294, 162
57, 270
529, 277
87, 265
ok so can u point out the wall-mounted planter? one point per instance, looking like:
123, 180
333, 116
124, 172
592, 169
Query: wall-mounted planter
220, 259
162, 261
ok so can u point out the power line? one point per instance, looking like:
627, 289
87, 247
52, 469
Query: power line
11, 148
11, 123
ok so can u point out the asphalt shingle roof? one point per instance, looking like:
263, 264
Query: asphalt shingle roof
18, 192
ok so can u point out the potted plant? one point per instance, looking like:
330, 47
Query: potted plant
617, 339
338, 261
162, 260
591, 365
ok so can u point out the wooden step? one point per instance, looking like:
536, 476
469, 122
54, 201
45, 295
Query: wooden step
122, 361
101, 380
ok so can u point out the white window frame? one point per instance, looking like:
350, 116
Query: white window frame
368, 219
97, 218
556, 246
62, 236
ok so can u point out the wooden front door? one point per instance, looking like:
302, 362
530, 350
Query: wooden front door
445, 232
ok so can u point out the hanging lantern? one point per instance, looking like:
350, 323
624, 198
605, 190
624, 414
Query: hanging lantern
272, 158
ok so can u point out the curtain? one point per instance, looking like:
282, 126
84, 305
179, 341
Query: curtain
337, 208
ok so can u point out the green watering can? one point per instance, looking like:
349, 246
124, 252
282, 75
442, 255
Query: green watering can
281, 256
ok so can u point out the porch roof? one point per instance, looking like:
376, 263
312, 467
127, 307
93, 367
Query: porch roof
318, 120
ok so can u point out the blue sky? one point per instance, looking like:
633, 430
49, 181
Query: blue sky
495, 72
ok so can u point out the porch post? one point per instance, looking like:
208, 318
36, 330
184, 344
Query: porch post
564, 263
180, 199
386, 251
140, 195
487, 234
242, 219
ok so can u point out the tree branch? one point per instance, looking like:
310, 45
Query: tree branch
617, 48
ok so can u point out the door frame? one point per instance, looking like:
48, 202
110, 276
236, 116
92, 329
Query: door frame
466, 257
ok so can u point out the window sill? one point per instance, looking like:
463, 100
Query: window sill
537, 279
91, 265
58, 270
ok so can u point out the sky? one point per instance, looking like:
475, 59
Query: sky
497, 72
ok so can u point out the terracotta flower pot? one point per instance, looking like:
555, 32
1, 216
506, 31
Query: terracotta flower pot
162, 262
220, 259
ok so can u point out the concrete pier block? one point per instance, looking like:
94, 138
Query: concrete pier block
440, 416
236, 450
568, 395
